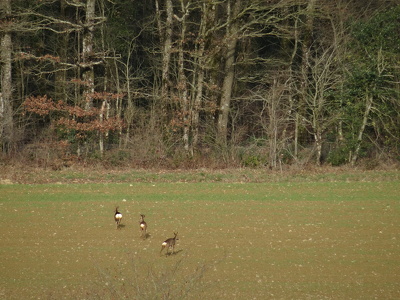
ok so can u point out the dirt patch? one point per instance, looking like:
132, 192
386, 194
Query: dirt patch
5, 181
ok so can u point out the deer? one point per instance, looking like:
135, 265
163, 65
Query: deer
117, 217
169, 243
143, 226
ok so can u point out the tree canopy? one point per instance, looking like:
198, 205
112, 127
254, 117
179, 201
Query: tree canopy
189, 83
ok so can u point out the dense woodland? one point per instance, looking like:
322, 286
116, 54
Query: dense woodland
199, 83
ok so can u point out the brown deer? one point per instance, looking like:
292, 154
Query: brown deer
143, 226
117, 217
170, 243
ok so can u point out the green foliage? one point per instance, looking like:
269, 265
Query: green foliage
339, 155
375, 51
253, 160
381, 32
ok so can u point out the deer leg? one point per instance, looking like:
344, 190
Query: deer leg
162, 248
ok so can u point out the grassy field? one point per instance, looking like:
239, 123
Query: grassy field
329, 238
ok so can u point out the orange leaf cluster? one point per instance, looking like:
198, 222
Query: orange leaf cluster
50, 57
74, 117
79, 112
25, 55
42, 105
106, 96
110, 124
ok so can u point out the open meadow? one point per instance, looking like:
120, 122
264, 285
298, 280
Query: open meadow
331, 237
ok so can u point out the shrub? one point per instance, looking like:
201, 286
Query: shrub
171, 282
338, 156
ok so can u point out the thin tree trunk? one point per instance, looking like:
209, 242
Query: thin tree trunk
166, 58
130, 109
182, 84
293, 103
318, 145
273, 127
307, 42
6, 109
305, 70
368, 106
61, 74
277, 121
208, 14
101, 134
315, 105
87, 52
197, 101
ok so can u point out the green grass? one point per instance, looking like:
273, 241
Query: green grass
330, 238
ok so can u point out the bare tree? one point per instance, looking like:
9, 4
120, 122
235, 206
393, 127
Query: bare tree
165, 33
231, 40
182, 79
274, 119
324, 77
201, 60
303, 39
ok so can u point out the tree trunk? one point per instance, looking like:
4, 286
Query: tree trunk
208, 17
318, 145
307, 42
273, 128
101, 134
198, 100
293, 102
130, 110
6, 108
229, 72
166, 58
61, 74
277, 120
368, 106
305, 57
182, 80
87, 53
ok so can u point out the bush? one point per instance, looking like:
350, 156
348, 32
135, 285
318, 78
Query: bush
171, 282
119, 157
253, 161
338, 156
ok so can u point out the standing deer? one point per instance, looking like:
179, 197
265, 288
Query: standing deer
143, 226
117, 217
170, 243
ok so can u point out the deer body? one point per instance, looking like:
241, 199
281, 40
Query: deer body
169, 243
117, 217
143, 226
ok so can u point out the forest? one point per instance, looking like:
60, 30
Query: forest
199, 83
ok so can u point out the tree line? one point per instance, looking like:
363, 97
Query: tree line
200, 82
